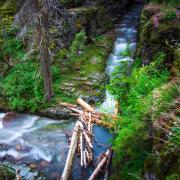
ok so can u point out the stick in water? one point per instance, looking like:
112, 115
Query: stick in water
100, 165
71, 153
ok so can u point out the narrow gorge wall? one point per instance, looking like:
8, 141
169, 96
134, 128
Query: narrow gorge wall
69, 17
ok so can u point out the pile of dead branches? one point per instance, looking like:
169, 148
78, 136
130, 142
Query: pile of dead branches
87, 114
81, 140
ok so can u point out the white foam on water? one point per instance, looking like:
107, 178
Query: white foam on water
2, 115
38, 154
13, 153
1, 124
108, 105
1, 120
3, 153
120, 40
14, 134
127, 33
119, 48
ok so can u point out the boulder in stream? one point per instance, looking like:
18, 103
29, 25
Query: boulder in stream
8, 118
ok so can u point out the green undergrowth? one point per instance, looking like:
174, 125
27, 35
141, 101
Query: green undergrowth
6, 173
22, 86
81, 55
167, 2
143, 95
83, 60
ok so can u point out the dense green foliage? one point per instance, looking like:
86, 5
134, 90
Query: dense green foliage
76, 48
142, 99
6, 173
170, 2
23, 85
11, 47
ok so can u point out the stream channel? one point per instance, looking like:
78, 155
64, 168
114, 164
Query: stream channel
32, 142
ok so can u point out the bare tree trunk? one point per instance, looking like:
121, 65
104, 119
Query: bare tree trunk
43, 37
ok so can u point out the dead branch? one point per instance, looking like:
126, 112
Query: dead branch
100, 165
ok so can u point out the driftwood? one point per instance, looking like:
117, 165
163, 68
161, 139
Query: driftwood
81, 141
81, 149
86, 106
71, 153
116, 110
106, 174
67, 105
100, 165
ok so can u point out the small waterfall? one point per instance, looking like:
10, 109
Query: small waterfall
126, 36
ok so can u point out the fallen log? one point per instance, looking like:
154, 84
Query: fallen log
18, 177
106, 174
88, 156
87, 140
81, 149
85, 162
85, 106
116, 110
67, 105
100, 165
89, 123
71, 153
75, 110
88, 132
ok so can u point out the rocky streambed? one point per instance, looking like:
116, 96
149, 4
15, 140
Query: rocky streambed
38, 146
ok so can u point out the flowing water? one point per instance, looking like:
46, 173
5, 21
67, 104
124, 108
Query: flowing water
126, 37
31, 142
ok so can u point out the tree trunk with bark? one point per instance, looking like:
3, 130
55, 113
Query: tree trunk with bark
43, 41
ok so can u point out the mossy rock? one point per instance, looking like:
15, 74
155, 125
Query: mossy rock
164, 38
7, 11
88, 81
71, 3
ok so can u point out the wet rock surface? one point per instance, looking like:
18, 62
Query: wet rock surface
8, 118
87, 87
72, 16
56, 113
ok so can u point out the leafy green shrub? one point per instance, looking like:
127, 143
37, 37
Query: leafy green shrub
127, 52
135, 93
170, 16
62, 54
23, 86
169, 2
76, 49
13, 48
78, 44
